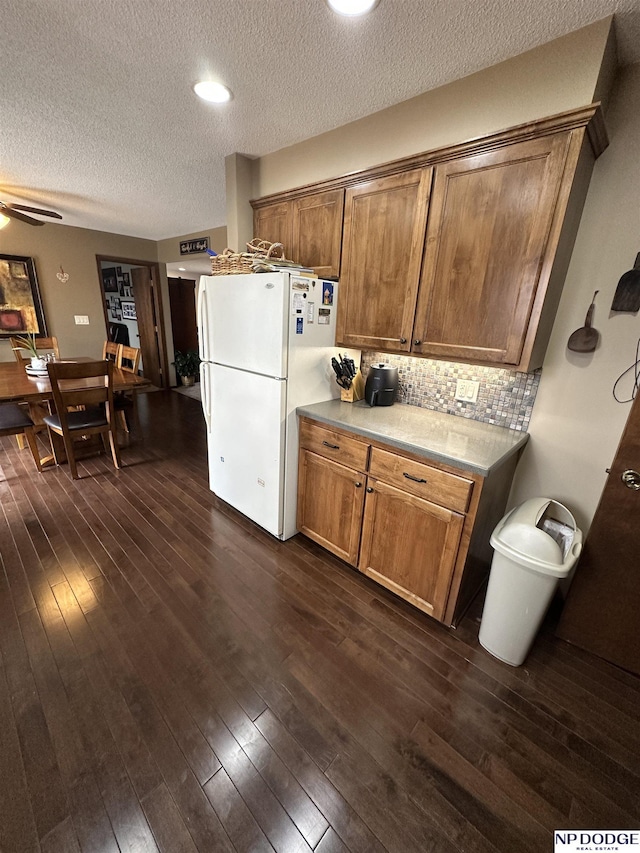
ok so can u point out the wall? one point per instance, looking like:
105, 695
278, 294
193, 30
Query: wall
75, 249
124, 295
576, 423
550, 79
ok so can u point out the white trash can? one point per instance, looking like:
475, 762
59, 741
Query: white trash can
536, 545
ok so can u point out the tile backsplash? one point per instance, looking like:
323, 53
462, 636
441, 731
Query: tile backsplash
505, 397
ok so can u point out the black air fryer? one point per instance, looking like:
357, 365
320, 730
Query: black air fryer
381, 386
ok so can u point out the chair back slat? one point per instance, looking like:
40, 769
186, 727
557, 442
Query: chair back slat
128, 358
42, 344
111, 351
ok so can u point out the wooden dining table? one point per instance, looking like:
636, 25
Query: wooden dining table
17, 386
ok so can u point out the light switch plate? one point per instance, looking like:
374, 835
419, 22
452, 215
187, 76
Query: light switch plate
81, 319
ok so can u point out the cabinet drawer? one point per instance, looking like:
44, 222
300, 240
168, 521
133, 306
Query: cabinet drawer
422, 480
334, 445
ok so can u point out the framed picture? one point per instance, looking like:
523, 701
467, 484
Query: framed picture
129, 311
20, 302
118, 270
116, 304
109, 280
117, 314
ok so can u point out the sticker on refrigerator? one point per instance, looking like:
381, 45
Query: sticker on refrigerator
327, 293
297, 303
299, 325
310, 311
324, 316
299, 284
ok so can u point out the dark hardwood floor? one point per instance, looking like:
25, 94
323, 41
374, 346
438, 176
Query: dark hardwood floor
174, 678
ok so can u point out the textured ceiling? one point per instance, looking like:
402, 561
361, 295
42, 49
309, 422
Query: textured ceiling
99, 121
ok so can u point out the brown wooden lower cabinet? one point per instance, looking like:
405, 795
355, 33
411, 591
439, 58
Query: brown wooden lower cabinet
409, 545
418, 528
330, 501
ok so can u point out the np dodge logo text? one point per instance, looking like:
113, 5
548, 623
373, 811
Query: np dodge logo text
576, 840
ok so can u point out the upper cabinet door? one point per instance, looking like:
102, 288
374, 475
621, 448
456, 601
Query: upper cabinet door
489, 230
273, 223
317, 231
383, 238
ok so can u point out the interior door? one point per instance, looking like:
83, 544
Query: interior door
142, 281
601, 612
182, 303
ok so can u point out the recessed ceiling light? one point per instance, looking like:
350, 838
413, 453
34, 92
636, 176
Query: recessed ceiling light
182, 269
352, 7
214, 92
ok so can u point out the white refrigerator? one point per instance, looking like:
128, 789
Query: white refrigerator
266, 342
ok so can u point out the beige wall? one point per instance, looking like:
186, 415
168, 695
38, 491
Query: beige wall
576, 423
75, 249
550, 79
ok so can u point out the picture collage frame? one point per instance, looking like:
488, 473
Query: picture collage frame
117, 287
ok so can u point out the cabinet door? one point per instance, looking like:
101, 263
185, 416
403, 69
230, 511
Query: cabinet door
489, 225
273, 223
317, 231
330, 501
410, 545
384, 226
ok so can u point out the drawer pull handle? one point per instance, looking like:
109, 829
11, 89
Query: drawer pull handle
358, 485
415, 479
369, 490
332, 446
403, 340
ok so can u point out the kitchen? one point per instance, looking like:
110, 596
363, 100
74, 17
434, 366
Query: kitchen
400, 786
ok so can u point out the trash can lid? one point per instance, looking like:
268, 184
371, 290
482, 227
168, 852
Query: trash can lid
540, 534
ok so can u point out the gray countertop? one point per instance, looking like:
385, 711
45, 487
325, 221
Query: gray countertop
453, 440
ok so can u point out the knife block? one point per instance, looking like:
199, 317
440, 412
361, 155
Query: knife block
355, 392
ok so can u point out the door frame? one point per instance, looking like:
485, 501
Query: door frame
154, 269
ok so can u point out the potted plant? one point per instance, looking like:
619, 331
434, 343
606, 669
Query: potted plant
29, 343
187, 366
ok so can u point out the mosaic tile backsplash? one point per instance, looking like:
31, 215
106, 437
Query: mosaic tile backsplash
505, 397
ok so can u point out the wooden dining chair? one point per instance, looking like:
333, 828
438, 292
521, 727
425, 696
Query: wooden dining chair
111, 351
128, 360
14, 420
71, 388
43, 345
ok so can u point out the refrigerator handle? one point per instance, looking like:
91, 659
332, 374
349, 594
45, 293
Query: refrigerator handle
204, 389
203, 320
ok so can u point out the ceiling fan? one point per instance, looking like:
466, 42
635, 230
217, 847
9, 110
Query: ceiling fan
17, 211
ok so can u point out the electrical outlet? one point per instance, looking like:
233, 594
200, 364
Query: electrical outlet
81, 319
467, 390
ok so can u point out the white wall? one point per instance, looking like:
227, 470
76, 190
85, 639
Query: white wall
576, 423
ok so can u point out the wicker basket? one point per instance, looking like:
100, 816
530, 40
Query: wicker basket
230, 262
265, 249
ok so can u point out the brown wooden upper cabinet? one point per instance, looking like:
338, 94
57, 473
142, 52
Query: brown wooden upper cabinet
383, 236
490, 227
309, 227
459, 253
273, 223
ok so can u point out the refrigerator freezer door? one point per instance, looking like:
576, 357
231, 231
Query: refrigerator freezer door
246, 443
243, 321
